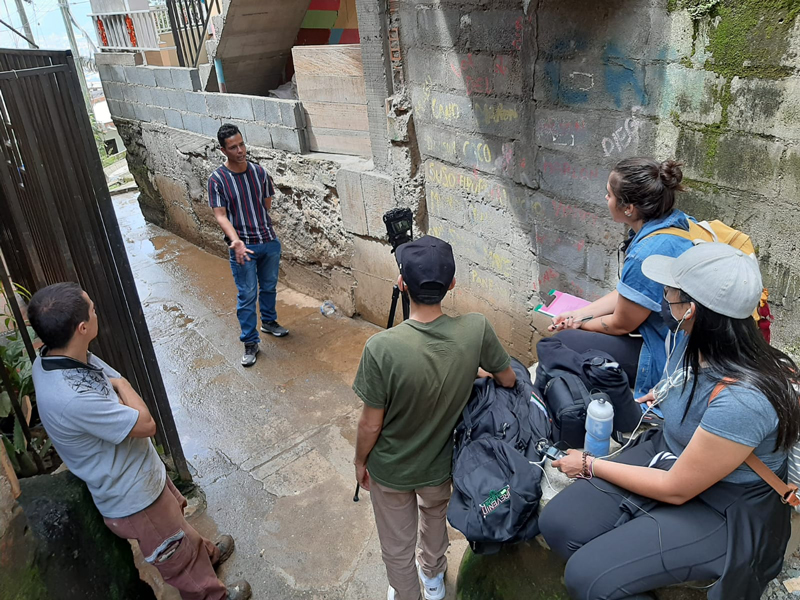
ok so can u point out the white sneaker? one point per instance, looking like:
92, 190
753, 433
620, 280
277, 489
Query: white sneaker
390, 594
434, 587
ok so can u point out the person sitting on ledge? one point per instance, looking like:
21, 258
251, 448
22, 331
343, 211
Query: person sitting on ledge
679, 504
100, 428
641, 194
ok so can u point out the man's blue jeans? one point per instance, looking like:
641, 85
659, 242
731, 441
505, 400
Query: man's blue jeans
256, 279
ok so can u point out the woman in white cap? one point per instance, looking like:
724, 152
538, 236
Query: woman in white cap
680, 504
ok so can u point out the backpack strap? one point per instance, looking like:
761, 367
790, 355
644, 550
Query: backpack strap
695, 233
574, 384
672, 231
787, 491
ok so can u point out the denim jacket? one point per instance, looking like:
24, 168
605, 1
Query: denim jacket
634, 286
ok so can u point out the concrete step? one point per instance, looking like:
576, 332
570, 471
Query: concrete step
205, 73
254, 28
211, 48
219, 22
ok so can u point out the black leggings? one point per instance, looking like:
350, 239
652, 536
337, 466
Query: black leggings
624, 348
614, 551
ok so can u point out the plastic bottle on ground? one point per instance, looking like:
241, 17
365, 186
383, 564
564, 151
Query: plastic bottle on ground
327, 308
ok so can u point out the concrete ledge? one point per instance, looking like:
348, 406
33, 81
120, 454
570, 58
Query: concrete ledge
118, 58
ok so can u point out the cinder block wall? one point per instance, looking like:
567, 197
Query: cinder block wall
522, 108
171, 96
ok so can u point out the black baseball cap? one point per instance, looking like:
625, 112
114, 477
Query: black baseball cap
427, 266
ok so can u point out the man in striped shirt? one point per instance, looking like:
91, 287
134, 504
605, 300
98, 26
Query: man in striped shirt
240, 193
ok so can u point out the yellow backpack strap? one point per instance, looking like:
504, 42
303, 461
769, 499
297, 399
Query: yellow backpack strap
687, 235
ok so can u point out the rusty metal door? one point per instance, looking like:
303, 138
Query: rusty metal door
57, 221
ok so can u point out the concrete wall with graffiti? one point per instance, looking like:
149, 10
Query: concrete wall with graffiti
521, 108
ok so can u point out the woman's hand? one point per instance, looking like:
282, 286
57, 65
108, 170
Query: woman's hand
572, 464
568, 320
649, 398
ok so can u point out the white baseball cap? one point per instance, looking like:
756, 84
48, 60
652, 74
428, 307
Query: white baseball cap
716, 275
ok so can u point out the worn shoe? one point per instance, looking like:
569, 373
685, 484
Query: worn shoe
433, 587
226, 547
250, 354
239, 591
390, 595
273, 328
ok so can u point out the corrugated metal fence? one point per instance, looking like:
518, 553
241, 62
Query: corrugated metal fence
57, 221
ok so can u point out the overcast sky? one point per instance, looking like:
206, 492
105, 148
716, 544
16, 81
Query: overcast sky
47, 25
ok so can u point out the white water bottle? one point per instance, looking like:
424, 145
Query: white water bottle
599, 425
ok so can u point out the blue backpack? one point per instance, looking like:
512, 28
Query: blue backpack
496, 489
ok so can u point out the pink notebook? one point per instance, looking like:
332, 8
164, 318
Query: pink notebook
563, 302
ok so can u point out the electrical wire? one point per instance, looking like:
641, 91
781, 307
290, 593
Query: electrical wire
546, 478
655, 403
632, 438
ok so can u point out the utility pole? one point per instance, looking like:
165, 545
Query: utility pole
26, 26
64, 4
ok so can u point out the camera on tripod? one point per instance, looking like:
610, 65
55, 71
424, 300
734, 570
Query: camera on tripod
398, 226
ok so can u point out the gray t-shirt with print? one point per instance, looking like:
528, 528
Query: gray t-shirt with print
739, 413
89, 428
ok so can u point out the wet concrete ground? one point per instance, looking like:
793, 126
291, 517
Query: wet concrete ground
272, 445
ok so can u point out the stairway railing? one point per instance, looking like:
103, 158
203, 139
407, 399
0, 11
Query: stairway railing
189, 20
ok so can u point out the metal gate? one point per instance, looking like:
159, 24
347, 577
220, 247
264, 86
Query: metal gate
57, 221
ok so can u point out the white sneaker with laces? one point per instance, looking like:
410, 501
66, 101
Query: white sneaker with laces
434, 587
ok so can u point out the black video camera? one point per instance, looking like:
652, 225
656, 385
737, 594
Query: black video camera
398, 226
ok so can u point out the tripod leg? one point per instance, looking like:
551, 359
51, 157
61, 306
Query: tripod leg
393, 309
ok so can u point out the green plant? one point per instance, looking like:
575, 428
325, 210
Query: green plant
17, 364
97, 132
113, 158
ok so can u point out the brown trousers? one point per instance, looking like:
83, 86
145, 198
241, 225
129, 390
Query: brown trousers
182, 556
396, 517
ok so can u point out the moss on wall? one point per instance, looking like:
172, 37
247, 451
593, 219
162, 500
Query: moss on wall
24, 584
77, 556
523, 570
751, 38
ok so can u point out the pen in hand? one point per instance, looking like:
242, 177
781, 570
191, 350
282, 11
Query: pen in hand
555, 327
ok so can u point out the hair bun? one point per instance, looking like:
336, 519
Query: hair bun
671, 175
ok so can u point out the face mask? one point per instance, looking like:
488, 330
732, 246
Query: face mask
666, 315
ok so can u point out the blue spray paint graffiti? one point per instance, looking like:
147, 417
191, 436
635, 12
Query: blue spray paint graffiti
623, 76
565, 90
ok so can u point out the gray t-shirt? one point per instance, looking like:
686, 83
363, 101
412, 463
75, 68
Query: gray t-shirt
739, 413
89, 427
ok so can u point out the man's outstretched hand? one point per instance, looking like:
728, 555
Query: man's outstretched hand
241, 251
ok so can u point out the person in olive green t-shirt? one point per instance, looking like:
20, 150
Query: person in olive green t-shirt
415, 380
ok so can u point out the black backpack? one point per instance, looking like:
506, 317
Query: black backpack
496, 489
567, 399
597, 371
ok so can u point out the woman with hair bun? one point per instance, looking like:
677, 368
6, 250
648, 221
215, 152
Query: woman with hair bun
641, 194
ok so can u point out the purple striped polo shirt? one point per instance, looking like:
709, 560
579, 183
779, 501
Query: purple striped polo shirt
243, 195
